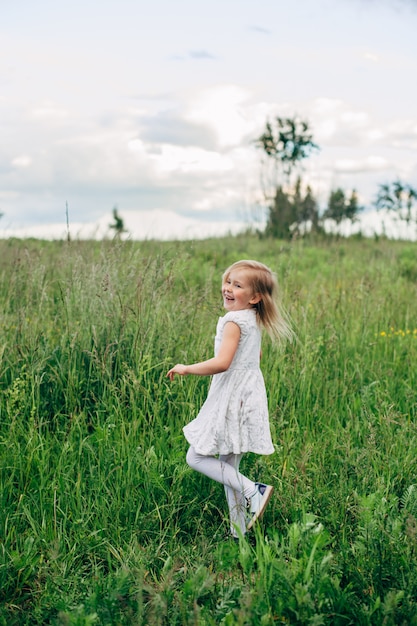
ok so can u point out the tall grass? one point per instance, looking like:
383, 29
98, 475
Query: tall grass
102, 522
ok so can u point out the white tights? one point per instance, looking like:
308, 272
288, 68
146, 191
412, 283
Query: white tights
225, 470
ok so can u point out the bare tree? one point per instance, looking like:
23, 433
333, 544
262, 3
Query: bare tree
397, 197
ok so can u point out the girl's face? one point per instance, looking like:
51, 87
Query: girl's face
237, 291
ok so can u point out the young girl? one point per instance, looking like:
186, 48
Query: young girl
234, 418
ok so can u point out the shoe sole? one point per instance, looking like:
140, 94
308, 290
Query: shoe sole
265, 499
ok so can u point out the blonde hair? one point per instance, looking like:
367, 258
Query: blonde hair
269, 310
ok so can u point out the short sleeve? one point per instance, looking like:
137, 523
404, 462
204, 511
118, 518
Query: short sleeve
245, 319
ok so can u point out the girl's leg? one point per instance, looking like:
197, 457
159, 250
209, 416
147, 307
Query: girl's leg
222, 472
228, 475
237, 502
238, 488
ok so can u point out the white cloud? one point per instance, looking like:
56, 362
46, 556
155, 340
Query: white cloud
355, 119
173, 159
114, 159
49, 111
113, 120
169, 226
371, 56
371, 163
22, 161
140, 225
336, 122
223, 108
372, 223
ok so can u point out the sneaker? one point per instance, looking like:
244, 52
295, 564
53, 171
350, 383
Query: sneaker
258, 502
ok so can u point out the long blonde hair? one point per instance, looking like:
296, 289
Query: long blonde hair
269, 309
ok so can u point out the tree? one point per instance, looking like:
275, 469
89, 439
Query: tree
285, 145
309, 210
336, 206
340, 207
291, 209
397, 197
118, 225
281, 215
353, 207
288, 143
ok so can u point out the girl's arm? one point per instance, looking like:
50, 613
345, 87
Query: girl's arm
217, 364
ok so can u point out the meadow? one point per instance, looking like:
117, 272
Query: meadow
101, 520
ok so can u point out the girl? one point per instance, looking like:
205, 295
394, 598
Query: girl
234, 417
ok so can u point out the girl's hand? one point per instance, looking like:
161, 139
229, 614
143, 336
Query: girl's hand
177, 369
217, 364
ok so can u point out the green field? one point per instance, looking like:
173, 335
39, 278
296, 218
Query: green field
101, 520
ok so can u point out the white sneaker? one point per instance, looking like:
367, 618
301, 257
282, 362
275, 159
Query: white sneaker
258, 502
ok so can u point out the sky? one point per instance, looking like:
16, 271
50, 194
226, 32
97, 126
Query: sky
154, 107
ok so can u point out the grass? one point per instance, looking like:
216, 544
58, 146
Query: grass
102, 522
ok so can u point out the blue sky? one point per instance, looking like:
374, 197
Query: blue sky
153, 107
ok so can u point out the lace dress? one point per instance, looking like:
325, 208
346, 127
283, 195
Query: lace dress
234, 417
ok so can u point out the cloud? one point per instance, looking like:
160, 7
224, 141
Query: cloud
375, 223
50, 111
194, 55
169, 226
21, 161
403, 133
370, 164
140, 225
191, 154
396, 4
201, 54
224, 108
134, 160
170, 127
337, 123
189, 160
371, 56
260, 29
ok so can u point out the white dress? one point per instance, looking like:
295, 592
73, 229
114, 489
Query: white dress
234, 417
